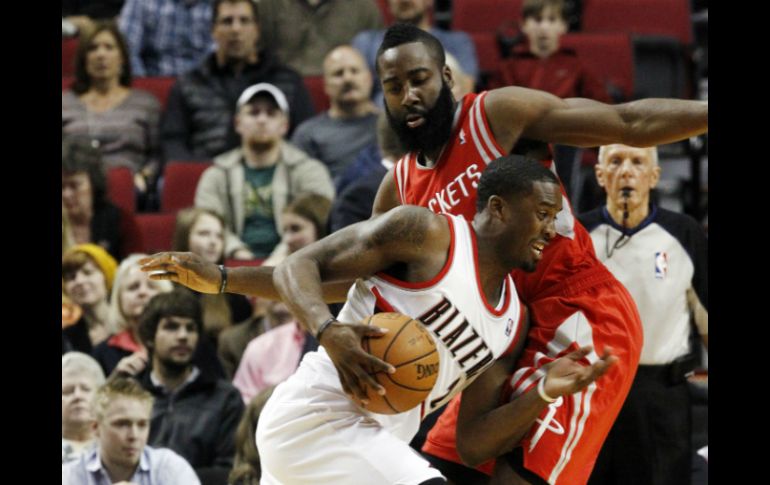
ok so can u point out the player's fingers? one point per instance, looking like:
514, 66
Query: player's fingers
366, 384
377, 365
372, 331
168, 275
596, 370
369, 330
370, 381
156, 259
356, 384
608, 352
581, 352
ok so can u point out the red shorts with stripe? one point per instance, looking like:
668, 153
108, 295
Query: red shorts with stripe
591, 308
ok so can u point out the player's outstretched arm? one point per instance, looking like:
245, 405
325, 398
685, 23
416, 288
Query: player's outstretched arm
411, 236
515, 112
486, 430
190, 270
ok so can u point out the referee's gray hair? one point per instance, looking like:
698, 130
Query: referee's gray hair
83, 365
653, 152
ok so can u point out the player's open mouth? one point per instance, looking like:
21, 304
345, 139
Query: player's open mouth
537, 250
414, 120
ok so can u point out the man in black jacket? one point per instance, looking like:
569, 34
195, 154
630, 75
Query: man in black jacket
195, 413
198, 123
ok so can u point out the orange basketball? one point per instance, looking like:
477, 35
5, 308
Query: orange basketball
410, 348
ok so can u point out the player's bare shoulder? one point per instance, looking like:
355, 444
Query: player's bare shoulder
413, 228
519, 104
510, 110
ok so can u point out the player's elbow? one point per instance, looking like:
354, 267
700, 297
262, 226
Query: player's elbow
470, 454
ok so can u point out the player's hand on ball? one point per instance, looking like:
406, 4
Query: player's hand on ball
354, 366
567, 375
187, 269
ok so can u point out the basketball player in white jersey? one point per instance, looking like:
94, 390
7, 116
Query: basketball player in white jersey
451, 274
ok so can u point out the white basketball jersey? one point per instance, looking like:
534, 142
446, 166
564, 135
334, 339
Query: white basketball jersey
470, 334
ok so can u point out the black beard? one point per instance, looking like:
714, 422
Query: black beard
436, 129
173, 368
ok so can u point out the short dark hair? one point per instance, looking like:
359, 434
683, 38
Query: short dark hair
82, 81
180, 302
531, 8
217, 3
78, 155
511, 175
401, 33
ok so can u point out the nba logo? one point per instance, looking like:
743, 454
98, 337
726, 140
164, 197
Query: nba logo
661, 265
508, 327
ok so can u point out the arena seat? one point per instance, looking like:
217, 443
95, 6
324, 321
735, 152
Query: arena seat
180, 179
484, 15
597, 50
158, 86
649, 17
315, 86
69, 45
149, 233
120, 189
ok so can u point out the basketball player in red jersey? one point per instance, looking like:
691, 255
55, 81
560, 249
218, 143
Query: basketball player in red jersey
573, 299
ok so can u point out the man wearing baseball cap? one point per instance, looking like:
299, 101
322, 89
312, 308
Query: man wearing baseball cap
196, 124
250, 185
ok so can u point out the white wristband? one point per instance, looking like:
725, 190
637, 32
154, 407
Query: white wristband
541, 391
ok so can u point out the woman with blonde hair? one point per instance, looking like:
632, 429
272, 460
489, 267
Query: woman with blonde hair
131, 291
202, 232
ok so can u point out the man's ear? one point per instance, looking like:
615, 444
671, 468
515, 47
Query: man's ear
497, 208
563, 27
446, 73
599, 172
237, 123
655, 176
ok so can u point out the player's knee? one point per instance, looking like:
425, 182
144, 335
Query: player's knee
435, 481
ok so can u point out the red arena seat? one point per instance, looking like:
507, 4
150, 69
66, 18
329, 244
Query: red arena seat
315, 85
180, 179
647, 17
158, 86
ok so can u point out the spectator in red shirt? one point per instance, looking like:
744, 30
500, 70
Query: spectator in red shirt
541, 63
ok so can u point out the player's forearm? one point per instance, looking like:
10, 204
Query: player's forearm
252, 281
298, 282
659, 121
498, 431
258, 281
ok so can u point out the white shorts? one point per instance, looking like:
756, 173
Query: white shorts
310, 432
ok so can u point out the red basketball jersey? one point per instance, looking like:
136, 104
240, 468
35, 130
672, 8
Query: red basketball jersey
450, 187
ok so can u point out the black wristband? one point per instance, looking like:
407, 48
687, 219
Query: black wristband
223, 284
323, 327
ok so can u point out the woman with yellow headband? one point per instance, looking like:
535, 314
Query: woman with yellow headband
87, 274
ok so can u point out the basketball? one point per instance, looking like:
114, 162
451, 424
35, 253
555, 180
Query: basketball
408, 347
